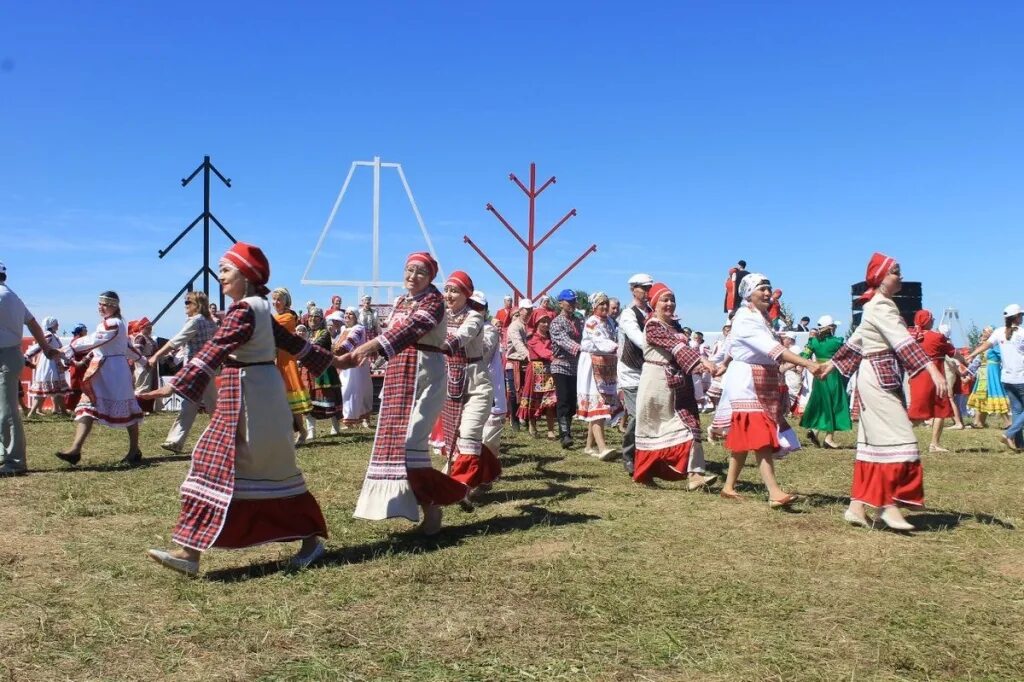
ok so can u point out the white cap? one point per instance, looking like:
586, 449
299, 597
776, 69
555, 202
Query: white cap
1008, 311
479, 297
336, 316
508, 297
640, 279
525, 303
826, 321
728, 322
944, 330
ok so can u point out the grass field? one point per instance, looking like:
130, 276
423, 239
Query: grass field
568, 571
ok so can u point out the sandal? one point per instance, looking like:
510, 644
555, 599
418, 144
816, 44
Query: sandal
734, 496
784, 501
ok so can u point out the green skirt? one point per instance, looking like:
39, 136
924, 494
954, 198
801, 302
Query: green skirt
828, 408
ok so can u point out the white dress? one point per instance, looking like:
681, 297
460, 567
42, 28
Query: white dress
108, 392
597, 373
48, 375
356, 383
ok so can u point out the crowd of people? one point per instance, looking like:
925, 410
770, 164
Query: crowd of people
454, 375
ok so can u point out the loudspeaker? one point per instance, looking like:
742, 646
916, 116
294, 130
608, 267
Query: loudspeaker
908, 301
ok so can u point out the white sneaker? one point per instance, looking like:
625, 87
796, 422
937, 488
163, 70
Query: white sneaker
892, 518
189, 568
301, 561
862, 521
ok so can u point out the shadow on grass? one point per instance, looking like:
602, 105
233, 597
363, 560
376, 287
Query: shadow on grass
553, 492
413, 543
114, 467
926, 520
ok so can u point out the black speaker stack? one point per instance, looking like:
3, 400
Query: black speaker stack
908, 301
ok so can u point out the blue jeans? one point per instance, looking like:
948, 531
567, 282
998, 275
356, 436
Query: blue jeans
1015, 393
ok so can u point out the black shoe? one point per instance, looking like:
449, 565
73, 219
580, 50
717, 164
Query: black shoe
813, 437
132, 459
565, 431
70, 458
627, 463
515, 426
11, 473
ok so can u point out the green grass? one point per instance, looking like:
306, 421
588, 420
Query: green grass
569, 571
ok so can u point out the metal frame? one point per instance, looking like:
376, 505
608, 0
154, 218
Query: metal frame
375, 284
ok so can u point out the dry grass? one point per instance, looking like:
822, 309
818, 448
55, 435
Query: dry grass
568, 572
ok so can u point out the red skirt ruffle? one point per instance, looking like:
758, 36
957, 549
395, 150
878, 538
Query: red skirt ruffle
752, 431
884, 485
434, 487
255, 522
478, 470
668, 464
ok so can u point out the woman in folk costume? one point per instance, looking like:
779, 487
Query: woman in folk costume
325, 394
47, 375
754, 402
597, 378
517, 356
500, 406
828, 408
108, 393
668, 430
775, 310
469, 392
988, 396
400, 478
730, 291
925, 403
298, 394
717, 354
141, 334
1009, 339
538, 396
77, 364
244, 487
887, 471
356, 382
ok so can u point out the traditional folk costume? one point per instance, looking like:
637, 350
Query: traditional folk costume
596, 377
400, 476
295, 389
668, 430
517, 356
538, 396
828, 408
469, 392
924, 403
47, 375
146, 375
356, 383
988, 395
244, 487
754, 400
108, 392
326, 393
887, 470
500, 407
717, 354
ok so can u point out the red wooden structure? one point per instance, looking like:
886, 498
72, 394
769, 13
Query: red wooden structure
530, 244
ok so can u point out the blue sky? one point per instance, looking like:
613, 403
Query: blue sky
799, 136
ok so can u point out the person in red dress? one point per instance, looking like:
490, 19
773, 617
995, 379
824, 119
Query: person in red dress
925, 402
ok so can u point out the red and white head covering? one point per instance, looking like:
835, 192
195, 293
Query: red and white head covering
657, 291
251, 262
426, 260
923, 320
461, 281
136, 326
879, 266
751, 283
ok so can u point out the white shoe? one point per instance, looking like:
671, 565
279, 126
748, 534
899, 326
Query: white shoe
892, 518
366, 423
607, 455
862, 521
431, 524
186, 566
300, 438
301, 561
700, 481
335, 426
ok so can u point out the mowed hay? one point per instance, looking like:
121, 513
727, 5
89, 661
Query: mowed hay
567, 571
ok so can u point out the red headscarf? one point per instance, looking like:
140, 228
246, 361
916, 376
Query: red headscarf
922, 319
425, 259
251, 262
657, 291
461, 281
879, 266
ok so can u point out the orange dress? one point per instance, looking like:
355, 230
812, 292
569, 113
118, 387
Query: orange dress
294, 388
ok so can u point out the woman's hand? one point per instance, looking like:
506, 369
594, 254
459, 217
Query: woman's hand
939, 379
164, 391
344, 361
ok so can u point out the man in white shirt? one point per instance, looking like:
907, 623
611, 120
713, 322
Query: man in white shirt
631, 358
13, 316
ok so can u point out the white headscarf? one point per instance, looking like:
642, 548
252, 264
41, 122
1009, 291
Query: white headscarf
50, 324
751, 282
597, 298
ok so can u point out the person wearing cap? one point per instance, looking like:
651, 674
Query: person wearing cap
47, 375
988, 397
469, 393
539, 398
828, 407
1009, 339
199, 328
14, 316
107, 387
145, 374
596, 379
76, 364
631, 359
517, 356
752, 411
400, 479
298, 394
887, 471
668, 433
503, 318
325, 389
356, 382
925, 403
566, 333
244, 486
